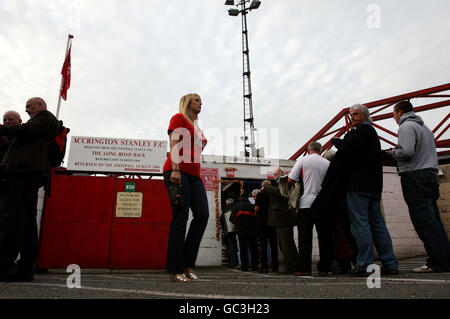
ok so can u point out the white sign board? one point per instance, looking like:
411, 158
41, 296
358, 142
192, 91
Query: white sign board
129, 205
109, 154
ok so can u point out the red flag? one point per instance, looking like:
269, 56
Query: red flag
65, 72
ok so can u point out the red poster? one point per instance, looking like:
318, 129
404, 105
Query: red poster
209, 177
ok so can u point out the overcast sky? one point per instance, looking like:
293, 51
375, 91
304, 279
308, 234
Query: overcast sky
133, 60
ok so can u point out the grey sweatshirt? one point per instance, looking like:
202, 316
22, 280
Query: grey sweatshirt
416, 149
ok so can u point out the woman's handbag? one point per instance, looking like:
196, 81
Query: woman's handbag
176, 195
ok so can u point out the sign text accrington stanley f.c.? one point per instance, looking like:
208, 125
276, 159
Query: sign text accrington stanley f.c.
108, 154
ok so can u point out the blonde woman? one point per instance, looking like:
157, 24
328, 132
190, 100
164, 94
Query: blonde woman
182, 168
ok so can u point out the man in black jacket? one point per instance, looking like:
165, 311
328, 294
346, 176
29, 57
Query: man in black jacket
243, 216
27, 168
9, 118
361, 151
266, 234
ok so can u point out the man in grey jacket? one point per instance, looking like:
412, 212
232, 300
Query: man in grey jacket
417, 165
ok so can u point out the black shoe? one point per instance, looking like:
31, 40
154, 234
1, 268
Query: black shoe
263, 270
14, 275
357, 272
389, 272
8, 275
285, 271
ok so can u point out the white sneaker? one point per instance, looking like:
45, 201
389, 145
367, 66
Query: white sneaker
423, 269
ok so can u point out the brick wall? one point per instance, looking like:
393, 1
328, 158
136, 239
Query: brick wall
404, 238
444, 200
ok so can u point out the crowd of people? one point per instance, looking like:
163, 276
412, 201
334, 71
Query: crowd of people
340, 196
338, 193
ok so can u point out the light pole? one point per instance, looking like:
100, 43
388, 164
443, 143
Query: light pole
249, 128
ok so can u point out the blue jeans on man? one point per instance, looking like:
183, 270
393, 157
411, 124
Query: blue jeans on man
420, 191
369, 228
233, 249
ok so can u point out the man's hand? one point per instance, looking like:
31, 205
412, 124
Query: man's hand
337, 142
291, 181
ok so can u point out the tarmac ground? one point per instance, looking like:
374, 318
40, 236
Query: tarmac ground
229, 283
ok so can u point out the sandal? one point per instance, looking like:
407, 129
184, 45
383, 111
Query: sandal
180, 278
191, 275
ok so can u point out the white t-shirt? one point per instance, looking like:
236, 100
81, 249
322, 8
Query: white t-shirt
314, 169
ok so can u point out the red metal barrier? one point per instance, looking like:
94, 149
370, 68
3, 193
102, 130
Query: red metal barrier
79, 225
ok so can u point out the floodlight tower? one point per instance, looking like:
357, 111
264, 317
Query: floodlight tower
249, 128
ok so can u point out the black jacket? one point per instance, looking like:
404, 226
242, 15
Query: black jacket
362, 159
332, 193
29, 150
243, 216
263, 202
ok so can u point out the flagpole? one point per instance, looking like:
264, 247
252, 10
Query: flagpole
69, 39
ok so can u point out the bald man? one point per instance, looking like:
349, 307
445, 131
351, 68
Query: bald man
27, 168
9, 118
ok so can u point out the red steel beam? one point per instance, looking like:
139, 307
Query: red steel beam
332, 132
408, 96
442, 122
443, 131
390, 101
319, 134
384, 129
381, 109
387, 141
443, 143
418, 109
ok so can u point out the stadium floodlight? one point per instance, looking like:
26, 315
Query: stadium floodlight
249, 127
233, 12
255, 4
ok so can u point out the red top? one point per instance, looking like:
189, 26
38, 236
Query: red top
191, 144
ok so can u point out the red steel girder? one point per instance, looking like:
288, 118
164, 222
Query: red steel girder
384, 104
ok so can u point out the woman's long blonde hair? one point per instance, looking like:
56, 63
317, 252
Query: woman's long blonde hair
184, 106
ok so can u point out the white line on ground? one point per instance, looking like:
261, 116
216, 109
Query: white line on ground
150, 292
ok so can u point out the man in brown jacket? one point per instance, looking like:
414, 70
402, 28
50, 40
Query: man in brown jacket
26, 166
284, 220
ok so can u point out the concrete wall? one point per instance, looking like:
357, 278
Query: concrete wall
210, 252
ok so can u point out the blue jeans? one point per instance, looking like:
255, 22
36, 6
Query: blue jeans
420, 191
232, 249
368, 228
183, 249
